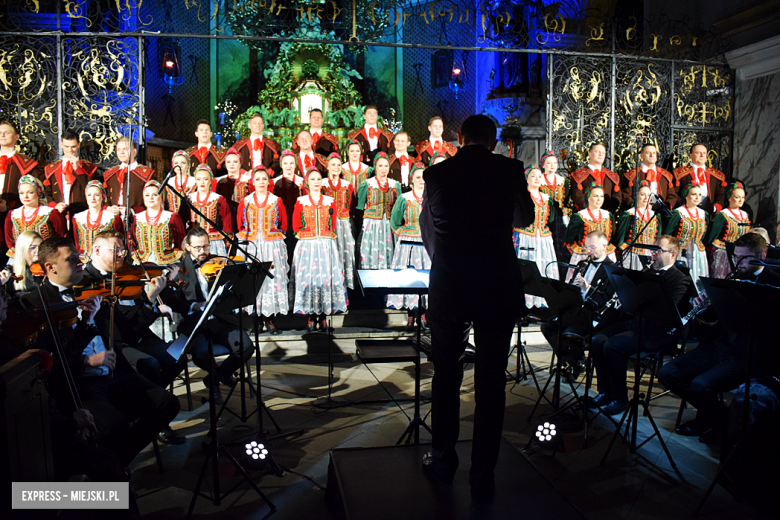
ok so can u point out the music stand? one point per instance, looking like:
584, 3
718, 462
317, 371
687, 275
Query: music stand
213, 448
644, 295
399, 281
566, 304
740, 305
533, 283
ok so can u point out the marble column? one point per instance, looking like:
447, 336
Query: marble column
757, 146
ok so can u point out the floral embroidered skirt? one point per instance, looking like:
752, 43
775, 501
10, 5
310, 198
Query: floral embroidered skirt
698, 265
720, 267
345, 242
318, 277
407, 255
273, 297
217, 247
376, 244
543, 253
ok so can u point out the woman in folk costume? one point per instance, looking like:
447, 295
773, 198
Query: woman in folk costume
644, 220
157, 234
689, 224
32, 215
355, 172
237, 183
535, 242
592, 218
727, 226
405, 221
316, 268
95, 219
183, 183
438, 157
262, 220
344, 194
376, 197
557, 187
214, 206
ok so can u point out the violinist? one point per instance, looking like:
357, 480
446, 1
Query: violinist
156, 233
222, 330
146, 352
718, 363
129, 410
612, 348
29, 241
95, 219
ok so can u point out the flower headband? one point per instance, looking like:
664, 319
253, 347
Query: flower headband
232, 151
436, 155
547, 155
205, 168
96, 184
416, 166
734, 186
29, 179
687, 189
589, 189
334, 155
181, 153
354, 141
531, 168
286, 152
381, 155
153, 183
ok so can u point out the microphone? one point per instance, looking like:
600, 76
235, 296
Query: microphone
167, 178
659, 206
745, 224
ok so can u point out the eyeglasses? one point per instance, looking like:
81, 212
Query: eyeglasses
200, 248
659, 251
118, 252
737, 260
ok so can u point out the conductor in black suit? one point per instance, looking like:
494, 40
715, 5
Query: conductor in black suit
475, 281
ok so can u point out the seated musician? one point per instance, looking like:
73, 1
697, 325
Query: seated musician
593, 283
718, 363
612, 348
129, 410
222, 329
145, 351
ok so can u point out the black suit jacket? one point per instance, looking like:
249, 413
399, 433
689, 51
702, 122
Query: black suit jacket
467, 232
602, 289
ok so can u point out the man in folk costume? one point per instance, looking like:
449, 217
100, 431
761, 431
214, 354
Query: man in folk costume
661, 181
435, 143
204, 152
323, 143
257, 150
13, 166
128, 171
400, 162
372, 138
306, 158
66, 180
599, 176
712, 181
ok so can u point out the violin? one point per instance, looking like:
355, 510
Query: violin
129, 284
211, 268
29, 322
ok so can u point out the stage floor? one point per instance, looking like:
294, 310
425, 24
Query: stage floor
388, 483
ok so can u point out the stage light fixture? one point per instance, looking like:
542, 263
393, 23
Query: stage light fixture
256, 455
545, 433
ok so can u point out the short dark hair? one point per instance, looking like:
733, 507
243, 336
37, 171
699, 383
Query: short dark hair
597, 143
434, 118
753, 241
196, 231
203, 122
368, 107
70, 135
478, 129
315, 110
49, 249
698, 144
674, 243
645, 146
254, 115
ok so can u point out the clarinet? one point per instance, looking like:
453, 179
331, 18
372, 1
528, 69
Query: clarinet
692, 313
